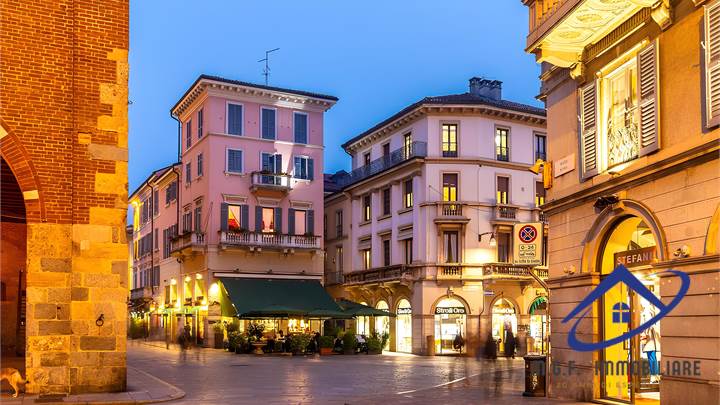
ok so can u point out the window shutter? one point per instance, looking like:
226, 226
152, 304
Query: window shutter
311, 169
278, 163
258, 219
291, 221
647, 80
278, 220
298, 167
588, 130
224, 217
244, 217
310, 222
712, 64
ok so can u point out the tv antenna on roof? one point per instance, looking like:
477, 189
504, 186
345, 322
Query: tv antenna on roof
266, 70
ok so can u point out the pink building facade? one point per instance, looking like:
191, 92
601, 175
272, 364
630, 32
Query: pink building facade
250, 194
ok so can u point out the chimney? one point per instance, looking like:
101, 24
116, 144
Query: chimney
486, 88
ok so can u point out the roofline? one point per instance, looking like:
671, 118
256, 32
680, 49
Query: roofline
412, 108
165, 170
210, 78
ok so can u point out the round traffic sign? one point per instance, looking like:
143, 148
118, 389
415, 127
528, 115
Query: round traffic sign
527, 234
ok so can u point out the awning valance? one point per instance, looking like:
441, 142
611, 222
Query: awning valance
277, 298
539, 306
356, 309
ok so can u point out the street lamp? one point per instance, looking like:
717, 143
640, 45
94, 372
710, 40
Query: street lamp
493, 242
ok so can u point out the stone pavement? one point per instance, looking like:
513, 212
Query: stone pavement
211, 376
142, 388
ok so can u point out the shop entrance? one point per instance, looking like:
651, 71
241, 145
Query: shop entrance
403, 327
382, 323
504, 326
450, 320
362, 324
631, 243
539, 325
13, 255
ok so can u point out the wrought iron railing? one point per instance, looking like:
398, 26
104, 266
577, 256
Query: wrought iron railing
266, 239
141, 292
512, 270
416, 149
377, 274
269, 179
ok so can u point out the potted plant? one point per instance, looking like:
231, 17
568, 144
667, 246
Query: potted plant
384, 339
255, 331
218, 330
349, 342
299, 343
326, 345
235, 341
374, 344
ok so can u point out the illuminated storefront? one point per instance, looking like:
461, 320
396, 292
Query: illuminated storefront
539, 326
450, 321
382, 324
504, 323
362, 324
403, 327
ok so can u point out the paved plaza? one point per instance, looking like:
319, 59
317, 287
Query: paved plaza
217, 377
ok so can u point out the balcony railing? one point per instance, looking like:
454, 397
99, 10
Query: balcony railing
270, 240
452, 209
142, 292
193, 240
512, 270
505, 213
379, 274
276, 181
543, 217
449, 271
333, 278
415, 149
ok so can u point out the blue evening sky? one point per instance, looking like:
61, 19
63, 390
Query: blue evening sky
376, 56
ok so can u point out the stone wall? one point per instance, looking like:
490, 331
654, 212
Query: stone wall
63, 91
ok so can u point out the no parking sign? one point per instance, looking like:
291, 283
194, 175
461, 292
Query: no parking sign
527, 243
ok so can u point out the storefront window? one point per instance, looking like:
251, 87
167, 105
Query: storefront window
504, 325
539, 326
631, 243
450, 320
382, 323
403, 327
362, 324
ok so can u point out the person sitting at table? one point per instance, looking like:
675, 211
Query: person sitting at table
270, 346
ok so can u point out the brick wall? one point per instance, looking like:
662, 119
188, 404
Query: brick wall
63, 98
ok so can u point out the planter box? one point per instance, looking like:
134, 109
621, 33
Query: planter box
374, 352
324, 351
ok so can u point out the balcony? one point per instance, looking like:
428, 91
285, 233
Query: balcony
269, 240
376, 275
451, 212
449, 271
187, 242
416, 150
142, 292
561, 29
333, 278
505, 213
269, 181
512, 271
542, 217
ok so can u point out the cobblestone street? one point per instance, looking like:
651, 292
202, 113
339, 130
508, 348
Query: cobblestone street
217, 377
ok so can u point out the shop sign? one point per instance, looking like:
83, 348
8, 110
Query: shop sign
635, 258
450, 311
564, 165
527, 243
489, 292
404, 311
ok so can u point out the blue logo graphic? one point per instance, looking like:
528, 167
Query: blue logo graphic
621, 311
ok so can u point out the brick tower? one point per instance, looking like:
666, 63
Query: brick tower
63, 140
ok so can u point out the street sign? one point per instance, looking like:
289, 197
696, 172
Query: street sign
527, 243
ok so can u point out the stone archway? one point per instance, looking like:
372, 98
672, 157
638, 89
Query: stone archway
13, 258
18, 161
605, 222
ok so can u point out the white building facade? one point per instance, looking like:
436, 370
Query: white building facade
422, 225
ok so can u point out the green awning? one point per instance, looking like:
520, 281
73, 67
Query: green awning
356, 309
277, 298
540, 304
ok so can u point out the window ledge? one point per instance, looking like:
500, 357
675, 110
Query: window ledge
404, 210
386, 216
364, 223
241, 174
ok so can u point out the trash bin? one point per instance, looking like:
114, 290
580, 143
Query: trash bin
430, 341
535, 374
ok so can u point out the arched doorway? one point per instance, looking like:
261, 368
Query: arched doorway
362, 324
450, 321
382, 323
539, 326
504, 323
630, 242
403, 326
13, 246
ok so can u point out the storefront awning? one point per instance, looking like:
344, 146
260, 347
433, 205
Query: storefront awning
539, 306
356, 309
277, 298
